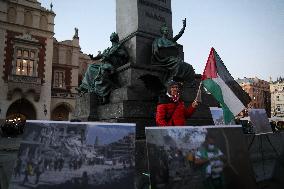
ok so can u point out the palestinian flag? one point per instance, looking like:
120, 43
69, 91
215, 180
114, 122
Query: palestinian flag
219, 82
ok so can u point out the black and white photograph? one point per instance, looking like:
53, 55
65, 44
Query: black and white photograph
260, 121
207, 157
66, 155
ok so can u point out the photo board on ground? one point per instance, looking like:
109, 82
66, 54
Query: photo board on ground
259, 120
69, 155
217, 115
199, 157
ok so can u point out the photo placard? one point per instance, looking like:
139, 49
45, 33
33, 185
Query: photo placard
259, 120
69, 155
199, 157
217, 115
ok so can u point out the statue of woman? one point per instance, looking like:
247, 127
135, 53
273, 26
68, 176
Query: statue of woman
165, 54
97, 77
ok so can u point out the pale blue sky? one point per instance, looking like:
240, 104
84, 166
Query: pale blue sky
247, 34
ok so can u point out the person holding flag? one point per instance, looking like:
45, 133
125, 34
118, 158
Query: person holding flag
219, 82
171, 110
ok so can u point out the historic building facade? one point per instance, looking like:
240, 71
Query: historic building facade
68, 67
26, 45
277, 97
259, 91
65, 64
38, 74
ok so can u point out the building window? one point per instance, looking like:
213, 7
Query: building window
55, 58
43, 22
59, 79
68, 57
12, 15
25, 62
28, 19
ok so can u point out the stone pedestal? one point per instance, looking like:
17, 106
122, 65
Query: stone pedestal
94, 101
82, 107
86, 108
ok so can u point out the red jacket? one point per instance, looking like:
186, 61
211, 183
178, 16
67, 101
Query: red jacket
170, 113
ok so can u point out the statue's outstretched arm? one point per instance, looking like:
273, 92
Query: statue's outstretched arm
181, 31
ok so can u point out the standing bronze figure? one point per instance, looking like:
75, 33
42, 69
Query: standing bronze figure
165, 54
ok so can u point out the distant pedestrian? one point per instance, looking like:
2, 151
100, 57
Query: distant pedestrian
38, 171
85, 179
26, 173
61, 163
18, 167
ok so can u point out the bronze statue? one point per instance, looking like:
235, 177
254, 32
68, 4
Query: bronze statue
165, 54
97, 77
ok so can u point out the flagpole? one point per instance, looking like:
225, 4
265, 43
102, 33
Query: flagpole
198, 95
